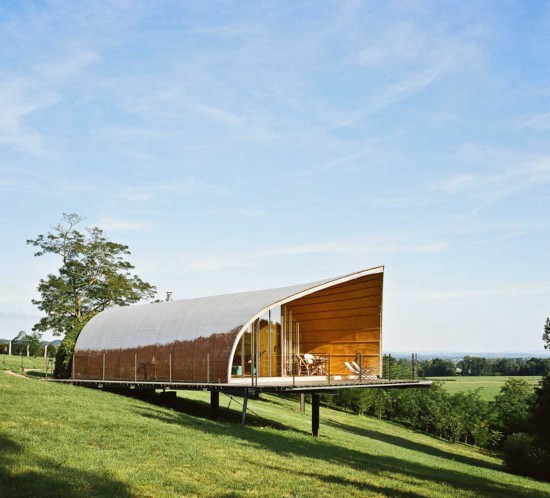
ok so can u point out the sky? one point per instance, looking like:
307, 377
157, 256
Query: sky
238, 145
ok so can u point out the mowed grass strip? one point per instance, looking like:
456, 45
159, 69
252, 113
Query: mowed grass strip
489, 386
60, 440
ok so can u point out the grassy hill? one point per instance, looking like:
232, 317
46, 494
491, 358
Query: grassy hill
59, 440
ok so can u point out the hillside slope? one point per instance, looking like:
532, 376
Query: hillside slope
60, 440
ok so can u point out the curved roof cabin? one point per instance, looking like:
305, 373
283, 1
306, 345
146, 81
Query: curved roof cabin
307, 330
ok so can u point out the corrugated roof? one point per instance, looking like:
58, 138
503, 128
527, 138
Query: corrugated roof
188, 319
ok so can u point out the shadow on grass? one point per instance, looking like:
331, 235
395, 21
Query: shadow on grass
231, 412
38, 374
376, 473
48, 478
412, 445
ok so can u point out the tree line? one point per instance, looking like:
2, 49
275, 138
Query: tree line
476, 366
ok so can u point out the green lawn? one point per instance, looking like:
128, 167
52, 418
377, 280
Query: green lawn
59, 440
21, 364
488, 386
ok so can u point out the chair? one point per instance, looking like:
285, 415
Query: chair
352, 369
305, 362
358, 372
365, 372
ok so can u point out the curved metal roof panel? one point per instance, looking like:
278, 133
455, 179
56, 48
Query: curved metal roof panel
187, 319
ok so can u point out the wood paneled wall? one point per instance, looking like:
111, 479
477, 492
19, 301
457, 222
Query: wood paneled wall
342, 321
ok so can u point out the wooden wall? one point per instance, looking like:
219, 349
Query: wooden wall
342, 321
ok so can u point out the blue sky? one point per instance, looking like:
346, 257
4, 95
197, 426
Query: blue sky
243, 145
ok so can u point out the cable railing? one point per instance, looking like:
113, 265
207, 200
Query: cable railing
250, 370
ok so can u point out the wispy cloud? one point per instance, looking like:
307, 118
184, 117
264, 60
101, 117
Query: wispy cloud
538, 122
503, 173
185, 186
19, 99
505, 291
248, 213
119, 224
67, 67
364, 248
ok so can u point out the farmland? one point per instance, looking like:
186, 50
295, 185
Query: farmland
489, 386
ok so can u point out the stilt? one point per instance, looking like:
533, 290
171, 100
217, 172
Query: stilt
245, 402
302, 403
315, 414
214, 405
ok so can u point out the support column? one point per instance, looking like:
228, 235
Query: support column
245, 402
214, 405
302, 403
315, 398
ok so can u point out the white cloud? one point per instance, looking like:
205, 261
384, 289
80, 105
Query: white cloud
505, 291
248, 213
118, 224
20, 98
364, 249
538, 122
68, 67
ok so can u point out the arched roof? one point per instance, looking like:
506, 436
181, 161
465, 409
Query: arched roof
188, 319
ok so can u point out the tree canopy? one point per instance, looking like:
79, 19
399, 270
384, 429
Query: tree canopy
546, 334
94, 275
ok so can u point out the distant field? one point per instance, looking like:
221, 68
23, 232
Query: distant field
488, 386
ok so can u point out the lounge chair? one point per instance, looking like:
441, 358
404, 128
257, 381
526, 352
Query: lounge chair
365, 372
360, 373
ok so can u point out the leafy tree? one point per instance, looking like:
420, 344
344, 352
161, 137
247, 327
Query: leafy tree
93, 276
438, 368
472, 365
512, 406
541, 411
35, 344
546, 334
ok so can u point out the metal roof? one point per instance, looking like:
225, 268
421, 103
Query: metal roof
188, 319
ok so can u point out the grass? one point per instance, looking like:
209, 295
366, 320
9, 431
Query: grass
27, 365
489, 386
64, 441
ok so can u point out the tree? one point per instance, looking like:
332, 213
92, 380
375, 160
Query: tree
94, 275
512, 406
546, 334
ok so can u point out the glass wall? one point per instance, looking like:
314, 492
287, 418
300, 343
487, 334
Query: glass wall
259, 351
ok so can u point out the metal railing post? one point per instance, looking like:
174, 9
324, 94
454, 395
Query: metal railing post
328, 367
103, 366
135, 367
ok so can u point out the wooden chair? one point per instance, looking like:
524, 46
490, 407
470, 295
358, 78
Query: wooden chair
305, 363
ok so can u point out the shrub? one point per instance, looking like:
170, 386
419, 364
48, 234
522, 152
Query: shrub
524, 455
